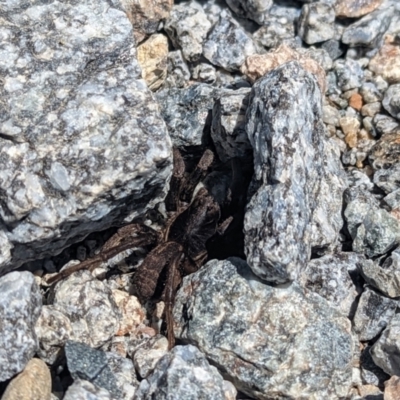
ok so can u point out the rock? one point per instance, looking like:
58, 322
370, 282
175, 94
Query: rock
282, 223
187, 27
333, 48
370, 93
331, 115
373, 314
329, 277
178, 72
350, 127
386, 151
183, 373
271, 342
369, 30
388, 179
90, 306
391, 102
349, 74
316, 23
228, 124
257, 10
385, 124
355, 101
385, 277
20, 306
387, 62
355, 8
53, 329
370, 373
386, 351
275, 32
33, 383
84, 390
392, 388
152, 57
69, 128
148, 355
227, 44
185, 112
204, 72
146, 15
258, 65
371, 110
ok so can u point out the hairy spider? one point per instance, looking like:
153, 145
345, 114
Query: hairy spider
181, 247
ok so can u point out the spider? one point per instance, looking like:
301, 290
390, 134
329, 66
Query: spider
179, 250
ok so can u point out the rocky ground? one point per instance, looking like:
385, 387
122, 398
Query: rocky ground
301, 97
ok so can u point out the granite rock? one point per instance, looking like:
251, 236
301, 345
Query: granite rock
371, 374
270, 342
274, 32
392, 388
355, 8
84, 390
257, 10
388, 179
349, 74
386, 151
204, 72
178, 73
20, 306
386, 62
391, 101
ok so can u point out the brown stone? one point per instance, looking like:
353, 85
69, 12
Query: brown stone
33, 383
152, 57
355, 8
392, 388
356, 101
257, 65
387, 62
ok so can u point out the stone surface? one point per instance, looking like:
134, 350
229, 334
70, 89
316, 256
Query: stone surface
355, 8
386, 151
387, 62
392, 388
257, 10
183, 373
20, 306
316, 23
152, 57
370, 373
227, 44
185, 112
90, 306
204, 72
288, 214
388, 179
274, 32
84, 390
33, 383
391, 101
178, 74
187, 27
350, 127
349, 74
69, 128
271, 342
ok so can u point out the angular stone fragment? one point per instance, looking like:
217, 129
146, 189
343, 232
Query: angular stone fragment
350, 127
72, 103
187, 27
272, 343
33, 383
388, 179
355, 8
20, 306
387, 62
274, 32
178, 72
386, 151
183, 373
282, 223
391, 101
185, 112
256, 10
370, 373
349, 74
84, 390
316, 23
392, 388
227, 44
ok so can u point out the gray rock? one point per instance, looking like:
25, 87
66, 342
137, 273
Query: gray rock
178, 74
385, 277
90, 306
84, 390
316, 23
393, 200
72, 103
349, 74
388, 179
385, 124
20, 306
385, 153
228, 124
333, 48
187, 27
370, 93
257, 10
288, 213
331, 115
369, 30
371, 374
274, 32
228, 44
391, 101
271, 342
386, 351
329, 277
204, 72
185, 112
184, 373
373, 314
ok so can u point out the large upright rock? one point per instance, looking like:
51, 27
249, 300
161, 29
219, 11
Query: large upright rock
82, 144
298, 181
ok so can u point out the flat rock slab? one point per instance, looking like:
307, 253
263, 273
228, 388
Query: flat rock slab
270, 342
82, 144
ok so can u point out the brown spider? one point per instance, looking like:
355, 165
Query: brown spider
179, 250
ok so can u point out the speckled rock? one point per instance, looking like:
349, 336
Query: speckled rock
333, 48
386, 351
329, 277
288, 213
350, 127
355, 8
349, 74
69, 128
33, 383
185, 112
387, 62
183, 373
204, 72
392, 388
369, 30
187, 27
146, 15
20, 306
386, 151
84, 390
152, 57
391, 101
227, 44
178, 74
272, 343
90, 306
316, 23
274, 32
257, 10
371, 374
373, 314
388, 179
